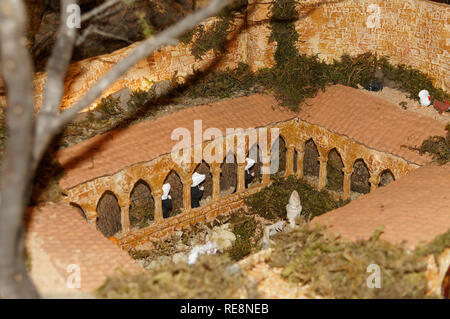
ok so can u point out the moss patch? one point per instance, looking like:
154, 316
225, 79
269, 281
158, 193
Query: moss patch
244, 228
270, 202
438, 147
338, 268
208, 279
436, 246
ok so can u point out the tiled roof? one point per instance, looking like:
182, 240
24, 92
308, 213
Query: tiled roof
343, 110
110, 152
371, 121
415, 208
69, 239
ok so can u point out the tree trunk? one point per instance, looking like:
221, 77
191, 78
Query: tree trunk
17, 73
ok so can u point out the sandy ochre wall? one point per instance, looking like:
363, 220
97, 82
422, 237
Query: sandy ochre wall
412, 32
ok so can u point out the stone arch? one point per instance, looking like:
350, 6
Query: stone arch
176, 191
386, 177
255, 153
311, 165
335, 175
79, 209
204, 168
228, 175
108, 214
281, 156
360, 177
142, 205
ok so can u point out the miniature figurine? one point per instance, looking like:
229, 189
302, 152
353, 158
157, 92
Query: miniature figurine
425, 99
294, 208
196, 191
270, 231
166, 201
249, 176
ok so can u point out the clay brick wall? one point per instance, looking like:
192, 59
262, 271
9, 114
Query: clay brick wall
295, 133
413, 32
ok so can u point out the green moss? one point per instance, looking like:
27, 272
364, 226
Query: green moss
436, 246
437, 146
335, 178
108, 106
270, 202
208, 279
138, 99
215, 37
244, 228
221, 84
337, 268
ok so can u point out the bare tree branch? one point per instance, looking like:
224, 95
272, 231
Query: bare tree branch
166, 37
27, 141
17, 72
56, 73
94, 30
99, 9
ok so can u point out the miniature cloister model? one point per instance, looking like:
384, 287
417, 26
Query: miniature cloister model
196, 190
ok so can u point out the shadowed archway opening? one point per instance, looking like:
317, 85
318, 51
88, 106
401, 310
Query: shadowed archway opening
386, 177
335, 176
311, 164
228, 175
109, 215
280, 169
294, 165
142, 207
204, 168
79, 209
360, 177
256, 155
176, 192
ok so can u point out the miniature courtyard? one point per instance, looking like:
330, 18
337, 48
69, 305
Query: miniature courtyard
361, 165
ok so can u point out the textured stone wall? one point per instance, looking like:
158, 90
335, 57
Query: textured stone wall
295, 134
413, 32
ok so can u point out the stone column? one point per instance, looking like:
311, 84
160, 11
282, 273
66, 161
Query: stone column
323, 172
187, 195
266, 163
215, 169
157, 197
374, 180
300, 156
289, 161
347, 182
240, 177
125, 219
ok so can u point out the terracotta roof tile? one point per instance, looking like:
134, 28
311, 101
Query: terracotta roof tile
415, 208
68, 239
371, 121
368, 120
110, 152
